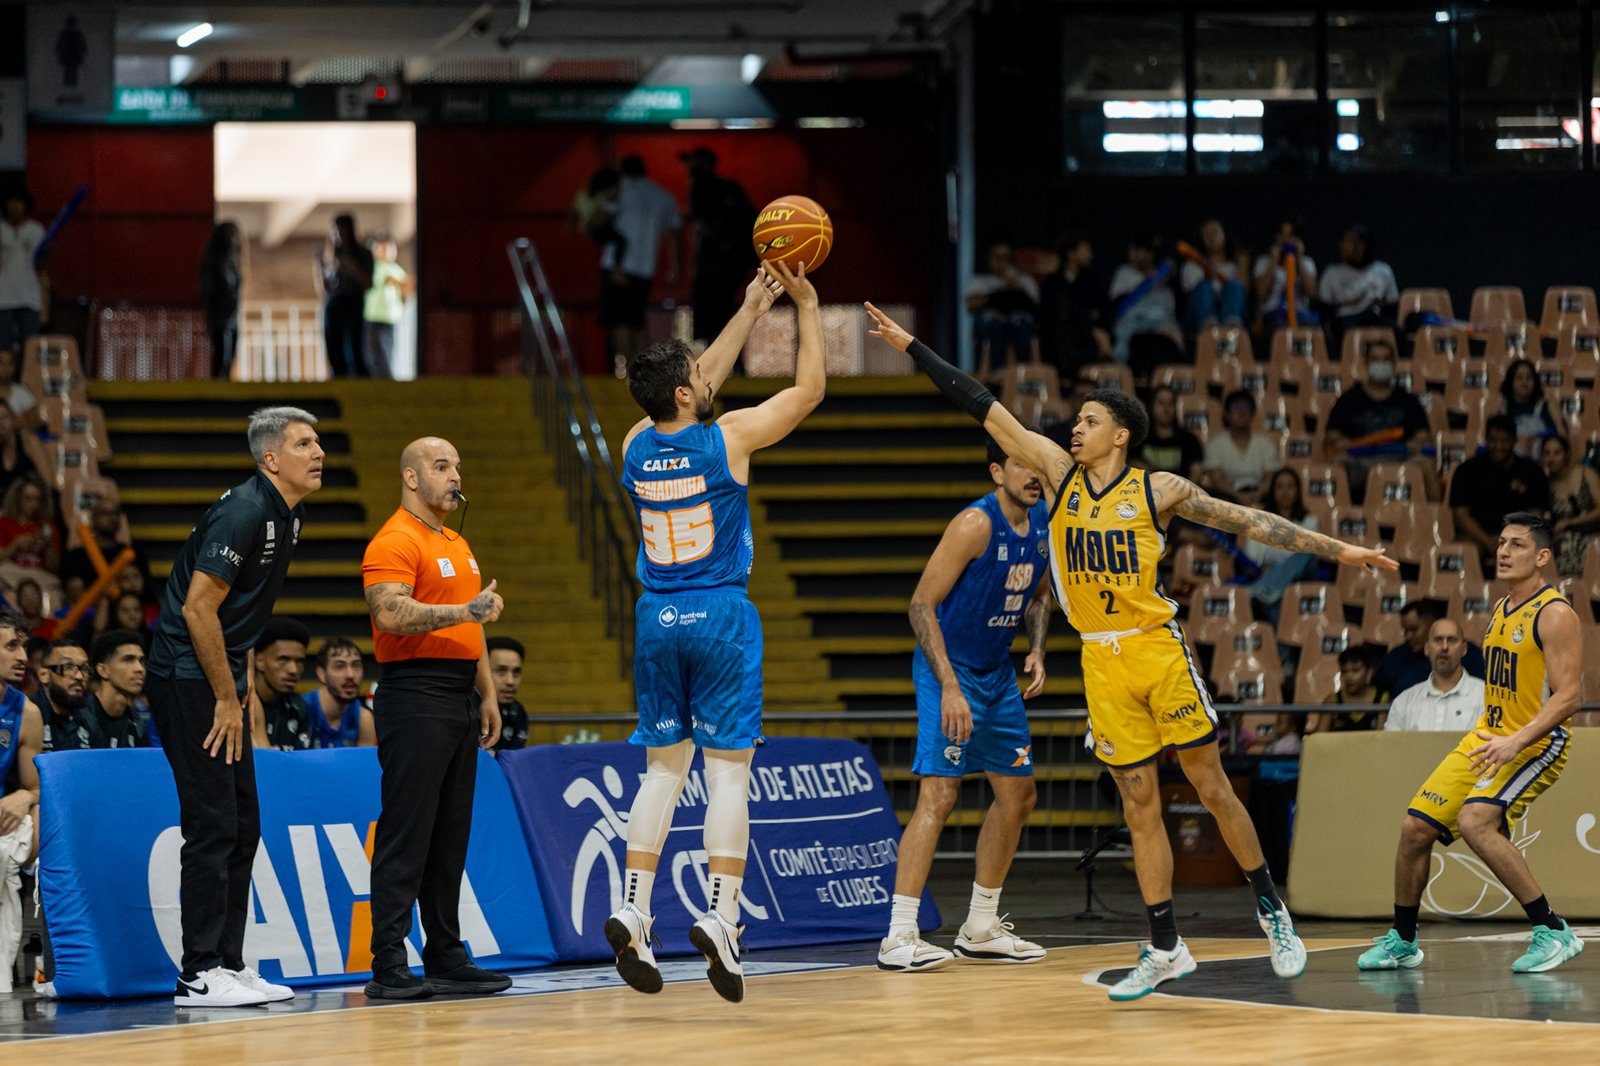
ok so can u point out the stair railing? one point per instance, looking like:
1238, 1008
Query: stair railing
596, 502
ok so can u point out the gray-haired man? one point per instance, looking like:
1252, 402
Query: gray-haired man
218, 599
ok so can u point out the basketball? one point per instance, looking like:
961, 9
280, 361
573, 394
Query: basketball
794, 230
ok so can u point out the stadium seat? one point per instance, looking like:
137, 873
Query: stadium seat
1591, 568
1201, 566
1574, 589
1577, 415
1317, 404
1566, 306
1249, 652
1255, 378
1317, 679
1335, 639
1254, 680
1450, 449
1354, 348
1107, 376
1435, 353
1497, 305
1216, 611
1468, 376
1279, 413
87, 421
1216, 343
1181, 378
1036, 380
1416, 533
1591, 653
1394, 489
51, 367
1309, 608
1297, 447
1471, 604
1297, 377
1306, 343
1326, 480
1578, 352
1425, 301
1448, 569
1040, 412
1509, 341
1380, 612
1200, 415
1478, 407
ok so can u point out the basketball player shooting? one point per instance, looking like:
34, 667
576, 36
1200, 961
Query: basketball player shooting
1145, 694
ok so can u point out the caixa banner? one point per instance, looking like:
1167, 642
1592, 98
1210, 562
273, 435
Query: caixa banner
824, 842
108, 872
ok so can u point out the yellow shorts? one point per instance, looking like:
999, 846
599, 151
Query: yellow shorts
1519, 782
1145, 695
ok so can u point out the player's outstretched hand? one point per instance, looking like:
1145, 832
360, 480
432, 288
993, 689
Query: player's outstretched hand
1034, 667
763, 290
888, 329
1369, 559
795, 284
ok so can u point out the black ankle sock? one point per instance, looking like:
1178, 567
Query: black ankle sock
1261, 884
1405, 922
1163, 926
1539, 913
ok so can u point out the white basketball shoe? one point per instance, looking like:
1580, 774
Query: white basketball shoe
628, 933
907, 952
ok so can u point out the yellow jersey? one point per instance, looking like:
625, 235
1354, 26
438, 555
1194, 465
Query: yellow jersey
1104, 550
1515, 686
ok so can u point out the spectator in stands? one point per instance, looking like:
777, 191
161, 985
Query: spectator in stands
35, 647
24, 284
1451, 699
1280, 568
594, 209
1360, 289
723, 217
335, 714
1146, 331
1574, 503
277, 714
1356, 685
23, 403
1169, 446
1214, 290
108, 716
221, 282
1272, 276
1493, 484
1072, 309
29, 601
343, 277
30, 543
63, 686
385, 303
1237, 462
105, 526
20, 454
128, 611
1408, 663
1004, 304
505, 665
1522, 400
646, 213
1376, 420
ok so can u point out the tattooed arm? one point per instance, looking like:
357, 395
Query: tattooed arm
395, 611
964, 540
1037, 621
1176, 496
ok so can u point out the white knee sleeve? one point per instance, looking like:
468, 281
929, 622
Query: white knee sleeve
658, 797
728, 803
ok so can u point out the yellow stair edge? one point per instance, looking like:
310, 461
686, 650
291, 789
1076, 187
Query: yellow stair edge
864, 456
896, 490
898, 527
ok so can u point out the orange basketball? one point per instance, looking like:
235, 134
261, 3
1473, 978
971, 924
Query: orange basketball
794, 230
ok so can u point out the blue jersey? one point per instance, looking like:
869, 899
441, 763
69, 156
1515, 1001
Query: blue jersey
980, 616
324, 735
694, 518
10, 730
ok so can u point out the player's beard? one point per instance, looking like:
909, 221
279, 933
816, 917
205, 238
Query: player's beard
703, 409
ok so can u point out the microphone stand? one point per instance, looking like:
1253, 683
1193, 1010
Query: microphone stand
1086, 866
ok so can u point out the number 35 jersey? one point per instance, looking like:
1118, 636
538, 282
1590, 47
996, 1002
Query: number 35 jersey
1104, 551
694, 518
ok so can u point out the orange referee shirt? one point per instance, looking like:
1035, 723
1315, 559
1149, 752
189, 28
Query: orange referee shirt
440, 568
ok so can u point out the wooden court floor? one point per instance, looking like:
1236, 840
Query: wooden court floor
1053, 1011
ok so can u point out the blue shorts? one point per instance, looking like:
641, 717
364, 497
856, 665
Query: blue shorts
697, 670
1000, 743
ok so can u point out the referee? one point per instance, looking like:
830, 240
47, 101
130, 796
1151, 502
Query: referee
422, 585
218, 599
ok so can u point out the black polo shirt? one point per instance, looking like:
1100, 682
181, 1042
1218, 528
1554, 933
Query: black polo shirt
513, 727
246, 540
91, 727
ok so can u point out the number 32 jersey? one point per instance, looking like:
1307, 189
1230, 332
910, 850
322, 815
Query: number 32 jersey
1104, 550
694, 518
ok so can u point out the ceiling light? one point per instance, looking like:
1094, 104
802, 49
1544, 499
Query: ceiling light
194, 34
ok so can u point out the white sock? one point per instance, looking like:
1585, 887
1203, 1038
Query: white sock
903, 914
638, 889
725, 896
984, 910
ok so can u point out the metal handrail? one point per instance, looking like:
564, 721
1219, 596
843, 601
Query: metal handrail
584, 468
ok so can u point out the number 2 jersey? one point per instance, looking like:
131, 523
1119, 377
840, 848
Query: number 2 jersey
1515, 684
1105, 548
980, 615
694, 518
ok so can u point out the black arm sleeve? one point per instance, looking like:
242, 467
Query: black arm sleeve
962, 388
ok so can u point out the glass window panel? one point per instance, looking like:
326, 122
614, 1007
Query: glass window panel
1122, 94
1389, 87
1255, 93
1521, 89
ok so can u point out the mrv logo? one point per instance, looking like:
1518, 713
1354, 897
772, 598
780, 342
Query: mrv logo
605, 843
306, 941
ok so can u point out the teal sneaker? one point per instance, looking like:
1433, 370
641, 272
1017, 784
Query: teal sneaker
1154, 967
1549, 949
1389, 952
1288, 953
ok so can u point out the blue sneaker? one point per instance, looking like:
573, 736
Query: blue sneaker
1549, 949
1390, 953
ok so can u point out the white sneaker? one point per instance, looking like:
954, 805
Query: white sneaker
216, 987
996, 944
1154, 967
256, 983
718, 941
907, 952
44, 989
628, 933
1288, 953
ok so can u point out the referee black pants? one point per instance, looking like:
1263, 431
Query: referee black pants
220, 819
427, 723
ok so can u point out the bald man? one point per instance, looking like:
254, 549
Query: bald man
1451, 699
435, 706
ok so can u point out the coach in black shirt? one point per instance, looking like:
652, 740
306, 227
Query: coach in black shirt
217, 601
